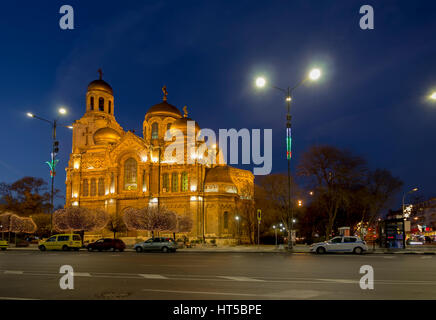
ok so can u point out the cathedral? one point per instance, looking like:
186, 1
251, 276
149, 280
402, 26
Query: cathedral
113, 169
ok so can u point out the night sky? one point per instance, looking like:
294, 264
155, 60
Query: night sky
371, 99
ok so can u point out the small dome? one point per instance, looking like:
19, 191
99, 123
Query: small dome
182, 125
219, 174
106, 135
100, 85
163, 109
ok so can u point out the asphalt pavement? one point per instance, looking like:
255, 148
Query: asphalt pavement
205, 275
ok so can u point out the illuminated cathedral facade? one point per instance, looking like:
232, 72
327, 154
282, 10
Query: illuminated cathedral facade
113, 169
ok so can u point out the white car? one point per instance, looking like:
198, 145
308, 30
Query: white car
340, 244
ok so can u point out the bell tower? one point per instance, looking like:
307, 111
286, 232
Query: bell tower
100, 96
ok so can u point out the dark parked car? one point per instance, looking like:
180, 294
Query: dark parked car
107, 244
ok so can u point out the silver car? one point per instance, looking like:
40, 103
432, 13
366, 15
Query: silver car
156, 244
340, 244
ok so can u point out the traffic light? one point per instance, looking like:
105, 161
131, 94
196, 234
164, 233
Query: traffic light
56, 147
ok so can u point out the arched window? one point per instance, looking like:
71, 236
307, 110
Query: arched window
226, 220
91, 103
175, 182
130, 174
167, 133
100, 104
165, 182
93, 187
184, 181
101, 190
109, 108
85, 188
154, 131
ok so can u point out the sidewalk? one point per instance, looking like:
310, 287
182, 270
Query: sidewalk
299, 249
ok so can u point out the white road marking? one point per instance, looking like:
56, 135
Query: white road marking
152, 276
247, 279
13, 272
203, 292
426, 257
81, 274
14, 298
339, 280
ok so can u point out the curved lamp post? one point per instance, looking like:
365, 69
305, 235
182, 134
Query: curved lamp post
55, 150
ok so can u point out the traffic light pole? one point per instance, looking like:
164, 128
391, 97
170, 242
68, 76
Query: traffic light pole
53, 158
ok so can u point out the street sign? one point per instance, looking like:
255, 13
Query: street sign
259, 215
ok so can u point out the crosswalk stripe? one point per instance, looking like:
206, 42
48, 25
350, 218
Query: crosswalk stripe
13, 272
82, 274
153, 276
247, 279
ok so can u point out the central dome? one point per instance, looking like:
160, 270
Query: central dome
106, 135
182, 125
164, 109
100, 85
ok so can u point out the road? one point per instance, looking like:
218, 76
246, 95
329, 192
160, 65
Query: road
190, 276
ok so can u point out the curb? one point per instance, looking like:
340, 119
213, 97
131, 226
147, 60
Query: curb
262, 251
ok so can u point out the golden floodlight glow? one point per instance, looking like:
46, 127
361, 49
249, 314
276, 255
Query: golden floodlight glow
30, 115
260, 82
62, 110
433, 96
315, 74
70, 127
415, 189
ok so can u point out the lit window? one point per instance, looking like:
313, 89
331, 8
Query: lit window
93, 187
226, 220
101, 187
184, 181
165, 182
85, 188
154, 131
175, 182
130, 174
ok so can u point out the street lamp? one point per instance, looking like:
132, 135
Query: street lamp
237, 228
404, 196
54, 152
433, 96
275, 232
300, 203
313, 75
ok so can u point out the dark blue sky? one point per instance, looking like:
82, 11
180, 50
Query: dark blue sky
372, 97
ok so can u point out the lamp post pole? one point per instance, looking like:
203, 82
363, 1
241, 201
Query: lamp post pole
260, 82
275, 233
404, 215
53, 162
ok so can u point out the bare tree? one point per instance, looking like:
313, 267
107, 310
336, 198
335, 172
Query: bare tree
334, 172
272, 198
79, 219
245, 208
116, 224
150, 218
183, 224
